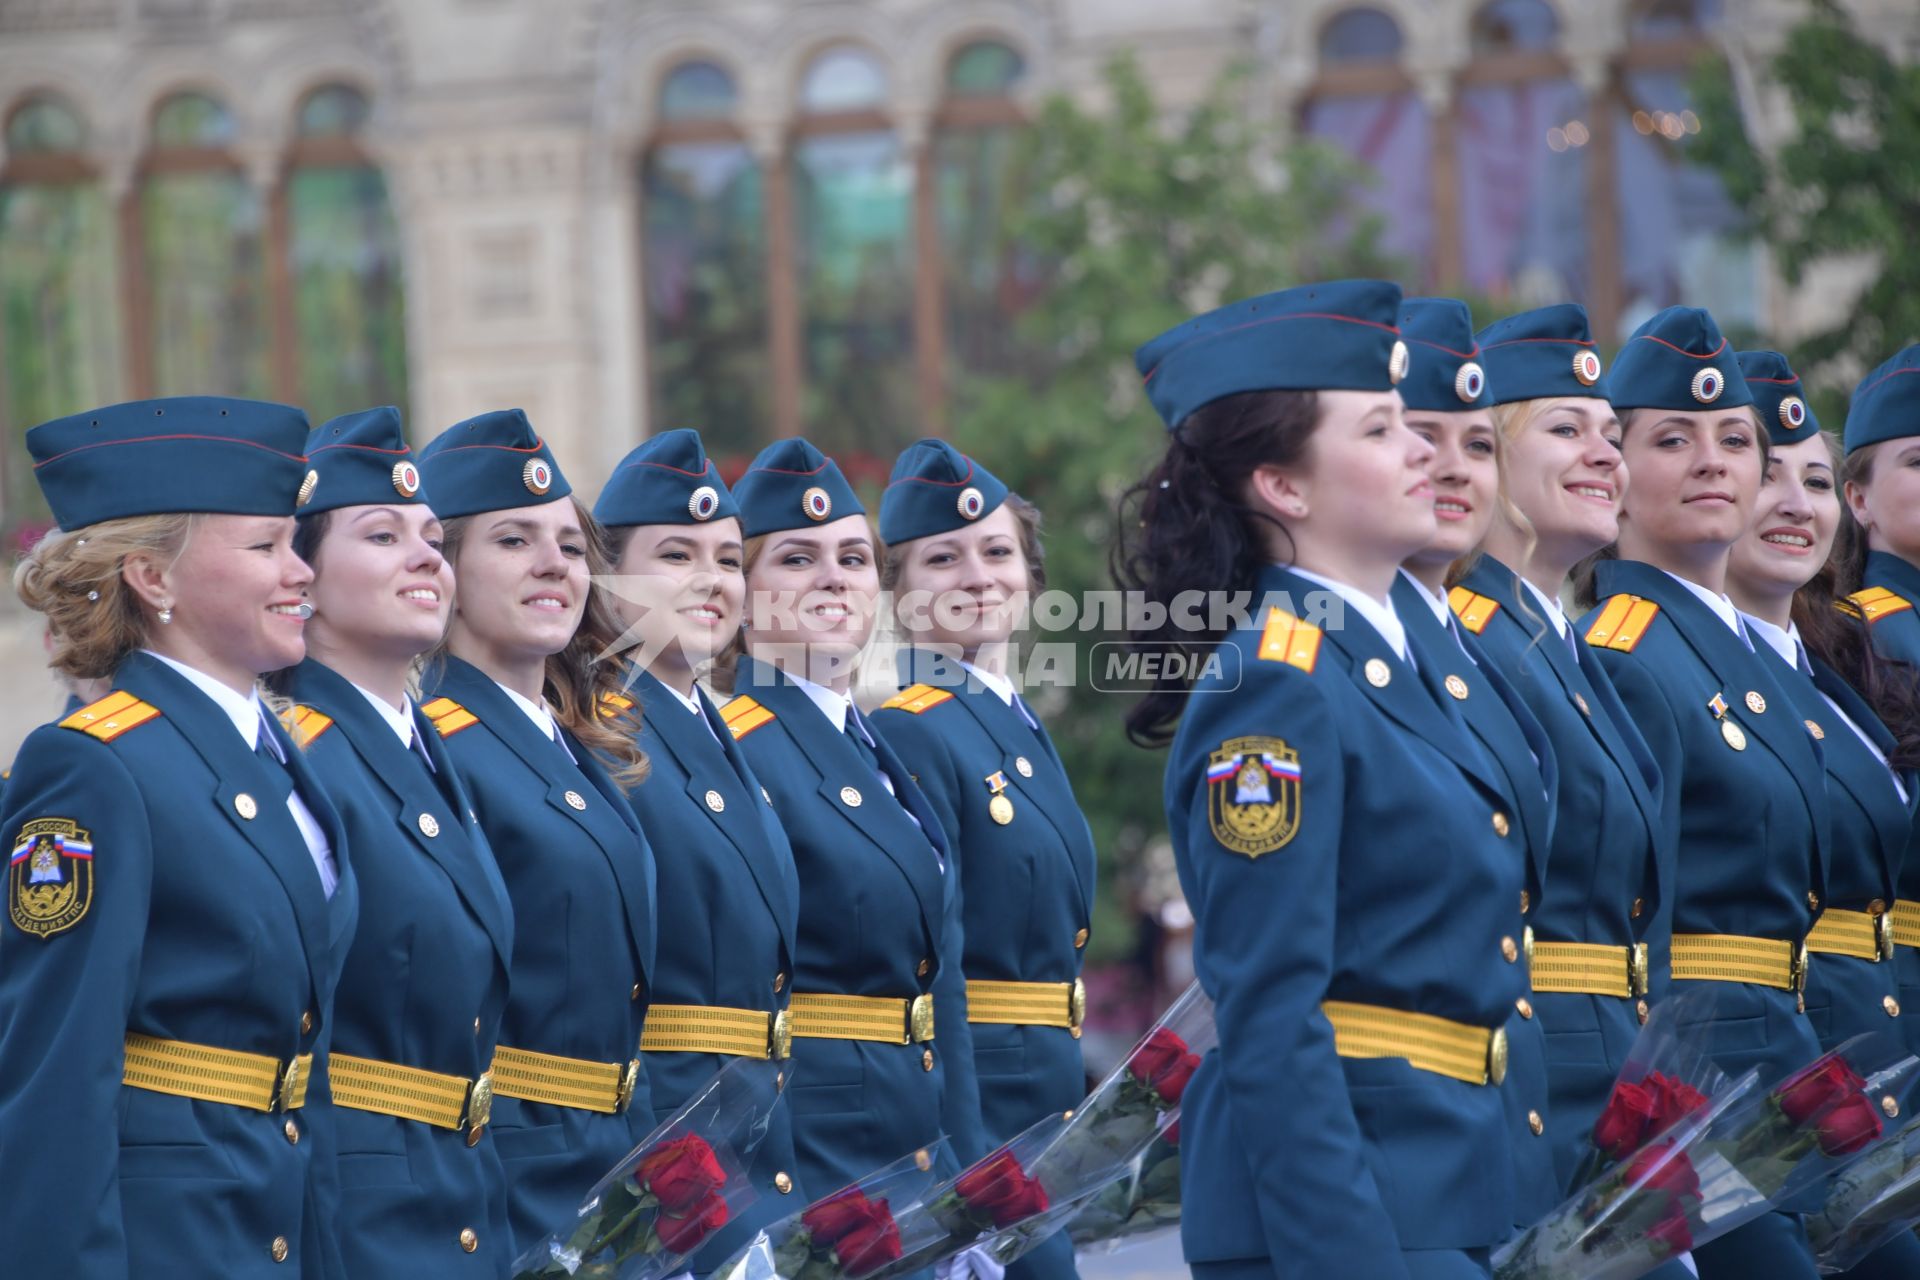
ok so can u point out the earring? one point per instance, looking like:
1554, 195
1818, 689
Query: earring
166, 614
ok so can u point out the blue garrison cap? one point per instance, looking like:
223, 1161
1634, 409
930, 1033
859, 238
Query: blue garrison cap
1544, 354
936, 489
1886, 404
360, 459
208, 454
792, 485
1777, 397
1444, 372
493, 462
1678, 360
1320, 337
667, 480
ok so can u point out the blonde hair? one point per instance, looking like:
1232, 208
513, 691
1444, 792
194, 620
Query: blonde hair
76, 579
1508, 421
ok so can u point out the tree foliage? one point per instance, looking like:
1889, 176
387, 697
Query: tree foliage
1142, 221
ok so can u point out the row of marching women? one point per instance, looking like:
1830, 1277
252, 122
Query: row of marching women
1450, 843
398, 877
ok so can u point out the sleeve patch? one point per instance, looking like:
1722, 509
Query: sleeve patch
1287, 639
1253, 795
1623, 623
1473, 610
743, 715
305, 725
449, 717
50, 877
916, 698
1875, 603
112, 716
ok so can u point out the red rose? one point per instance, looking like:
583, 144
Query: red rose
1674, 1099
1664, 1169
1001, 1189
683, 1233
1171, 1080
1850, 1126
1627, 1121
1172, 1134
681, 1174
835, 1216
1807, 1093
1156, 1053
1674, 1232
871, 1245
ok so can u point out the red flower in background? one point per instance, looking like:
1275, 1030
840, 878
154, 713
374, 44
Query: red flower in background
1172, 1135
1848, 1127
683, 1233
1819, 1087
1627, 1120
1674, 1099
869, 1246
1664, 1170
1674, 1232
682, 1174
1001, 1189
1164, 1064
835, 1216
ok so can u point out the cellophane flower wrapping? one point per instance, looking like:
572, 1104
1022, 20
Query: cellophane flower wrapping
1740, 1152
668, 1195
1138, 1206
853, 1234
1869, 1203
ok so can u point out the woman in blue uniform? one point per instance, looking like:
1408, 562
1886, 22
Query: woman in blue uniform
1881, 568
1594, 920
1350, 1123
725, 949
179, 893
873, 976
514, 696
1448, 404
1743, 782
1779, 577
962, 557
419, 1002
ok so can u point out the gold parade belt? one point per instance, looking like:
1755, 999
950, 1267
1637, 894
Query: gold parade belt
606, 1087
1860, 934
250, 1080
1589, 968
1028, 1004
878, 1018
389, 1089
1906, 923
1723, 957
1476, 1055
739, 1033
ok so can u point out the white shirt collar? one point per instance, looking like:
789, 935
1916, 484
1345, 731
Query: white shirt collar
995, 683
400, 720
1549, 606
1721, 606
1378, 612
535, 711
1436, 603
244, 710
1785, 642
832, 705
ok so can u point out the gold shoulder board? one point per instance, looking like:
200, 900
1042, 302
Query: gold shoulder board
743, 715
449, 717
112, 716
1287, 639
1875, 603
614, 705
916, 698
1622, 623
1472, 609
305, 724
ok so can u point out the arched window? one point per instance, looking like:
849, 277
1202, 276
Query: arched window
1363, 103
1523, 135
852, 189
703, 246
1656, 21
985, 282
343, 250
203, 225
59, 317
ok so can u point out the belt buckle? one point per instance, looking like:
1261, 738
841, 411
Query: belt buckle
920, 1019
479, 1106
1497, 1056
1637, 969
1077, 1007
1883, 934
290, 1083
629, 1081
780, 1036
1797, 971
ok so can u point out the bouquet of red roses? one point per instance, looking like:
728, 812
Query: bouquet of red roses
670, 1193
854, 1234
1869, 1203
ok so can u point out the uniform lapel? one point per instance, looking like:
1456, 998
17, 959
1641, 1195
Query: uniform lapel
1892, 819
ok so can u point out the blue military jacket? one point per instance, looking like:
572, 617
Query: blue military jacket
874, 916
1027, 883
1332, 1165
728, 938
581, 878
1606, 863
424, 985
1474, 693
1751, 821
186, 907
